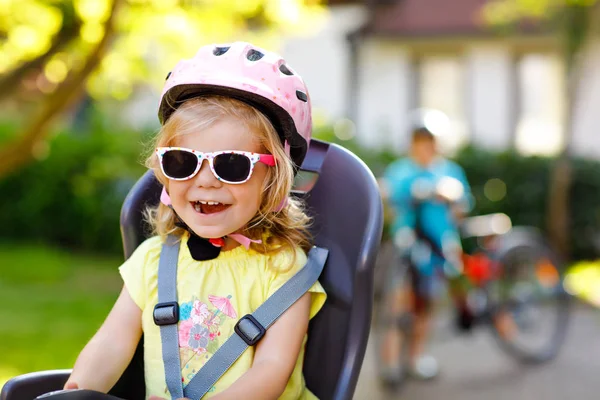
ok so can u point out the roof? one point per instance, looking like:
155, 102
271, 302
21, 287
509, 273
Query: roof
341, 2
428, 18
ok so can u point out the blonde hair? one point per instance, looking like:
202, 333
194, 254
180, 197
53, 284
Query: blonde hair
278, 230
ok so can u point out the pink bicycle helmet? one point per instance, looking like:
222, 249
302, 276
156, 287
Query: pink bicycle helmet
248, 73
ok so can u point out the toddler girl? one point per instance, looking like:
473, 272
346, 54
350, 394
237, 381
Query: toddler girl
236, 124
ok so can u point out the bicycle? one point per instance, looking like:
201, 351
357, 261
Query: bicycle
511, 275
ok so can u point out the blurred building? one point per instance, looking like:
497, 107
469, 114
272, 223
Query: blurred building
374, 61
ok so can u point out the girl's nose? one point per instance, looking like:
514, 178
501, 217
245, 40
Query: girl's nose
205, 177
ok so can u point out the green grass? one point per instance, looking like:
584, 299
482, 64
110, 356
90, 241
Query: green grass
51, 303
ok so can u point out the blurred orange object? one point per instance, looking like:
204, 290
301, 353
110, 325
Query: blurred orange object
547, 274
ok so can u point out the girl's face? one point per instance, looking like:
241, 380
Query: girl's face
238, 204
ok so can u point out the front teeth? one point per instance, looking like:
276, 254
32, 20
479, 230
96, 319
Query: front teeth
210, 203
198, 207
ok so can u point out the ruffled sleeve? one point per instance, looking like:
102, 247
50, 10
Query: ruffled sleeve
135, 270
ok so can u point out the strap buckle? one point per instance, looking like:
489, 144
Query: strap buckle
249, 329
166, 313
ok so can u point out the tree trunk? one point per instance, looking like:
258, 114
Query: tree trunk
21, 150
558, 213
577, 30
558, 207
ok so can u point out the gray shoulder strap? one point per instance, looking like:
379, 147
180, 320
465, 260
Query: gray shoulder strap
166, 315
251, 328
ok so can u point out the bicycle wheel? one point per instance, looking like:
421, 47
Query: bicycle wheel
530, 308
393, 321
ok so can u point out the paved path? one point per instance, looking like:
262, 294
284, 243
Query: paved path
474, 368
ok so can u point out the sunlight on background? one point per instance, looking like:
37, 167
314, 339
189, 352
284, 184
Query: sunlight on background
344, 129
287, 10
92, 10
494, 189
30, 25
92, 32
539, 137
542, 106
437, 123
56, 70
583, 281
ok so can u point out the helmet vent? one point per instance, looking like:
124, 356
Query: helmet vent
168, 75
254, 55
285, 70
301, 96
219, 51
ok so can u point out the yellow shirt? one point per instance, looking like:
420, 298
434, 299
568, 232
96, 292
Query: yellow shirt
212, 295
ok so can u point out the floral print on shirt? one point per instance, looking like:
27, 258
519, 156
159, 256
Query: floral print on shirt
199, 329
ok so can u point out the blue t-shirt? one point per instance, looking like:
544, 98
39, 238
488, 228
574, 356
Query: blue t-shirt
437, 221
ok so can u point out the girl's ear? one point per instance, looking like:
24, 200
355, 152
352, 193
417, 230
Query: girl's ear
164, 197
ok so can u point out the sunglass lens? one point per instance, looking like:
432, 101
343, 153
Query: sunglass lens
179, 164
232, 167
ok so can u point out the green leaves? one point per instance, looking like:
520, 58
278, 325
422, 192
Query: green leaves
151, 35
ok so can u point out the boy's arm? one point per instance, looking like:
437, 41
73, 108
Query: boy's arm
275, 358
103, 360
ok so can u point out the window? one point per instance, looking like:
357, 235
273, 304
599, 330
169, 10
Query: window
540, 126
441, 87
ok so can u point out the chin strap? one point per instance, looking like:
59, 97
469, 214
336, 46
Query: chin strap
238, 237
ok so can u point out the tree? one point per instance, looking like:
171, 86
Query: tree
110, 46
573, 21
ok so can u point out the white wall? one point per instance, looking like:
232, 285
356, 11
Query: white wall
322, 57
384, 95
586, 135
542, 104
490, 93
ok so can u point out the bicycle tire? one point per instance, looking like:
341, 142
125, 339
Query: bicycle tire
559, 304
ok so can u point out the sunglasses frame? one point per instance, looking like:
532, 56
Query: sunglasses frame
267, 159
